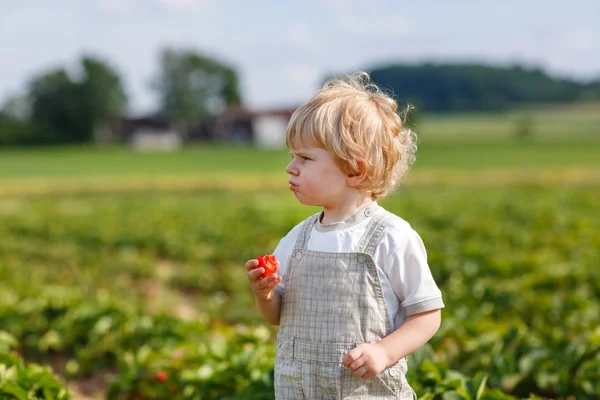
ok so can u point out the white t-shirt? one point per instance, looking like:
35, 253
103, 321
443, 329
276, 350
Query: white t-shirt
406, 281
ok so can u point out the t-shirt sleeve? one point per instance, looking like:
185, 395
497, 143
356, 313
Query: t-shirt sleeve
283, 253
410, 276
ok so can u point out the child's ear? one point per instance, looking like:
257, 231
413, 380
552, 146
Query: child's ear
355, 179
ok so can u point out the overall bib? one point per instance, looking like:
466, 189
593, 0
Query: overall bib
332, 302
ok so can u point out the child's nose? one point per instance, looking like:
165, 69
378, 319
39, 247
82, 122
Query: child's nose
291, 168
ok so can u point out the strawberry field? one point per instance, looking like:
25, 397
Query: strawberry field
122, 274
141, 294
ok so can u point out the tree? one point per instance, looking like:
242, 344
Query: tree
104, 94
192, 86
76, 111
16, 107
15, 128
60, 108
476, 87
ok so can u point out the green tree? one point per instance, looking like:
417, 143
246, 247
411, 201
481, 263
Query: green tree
475, 87
15, 127
104, 94
192, 86
60, 108
77, 111
16, 107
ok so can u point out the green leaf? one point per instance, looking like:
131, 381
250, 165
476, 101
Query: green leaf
7, 341
476, 386
454, 395
13, 389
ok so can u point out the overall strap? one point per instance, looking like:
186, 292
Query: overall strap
374, 231
304, 235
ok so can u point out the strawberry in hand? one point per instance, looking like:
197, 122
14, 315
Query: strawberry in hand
269, 263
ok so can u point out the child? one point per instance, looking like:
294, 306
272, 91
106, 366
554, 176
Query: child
353, 295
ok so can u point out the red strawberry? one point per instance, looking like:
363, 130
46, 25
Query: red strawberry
269, 263
161, 376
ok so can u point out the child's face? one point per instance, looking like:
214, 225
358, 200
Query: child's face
315, 177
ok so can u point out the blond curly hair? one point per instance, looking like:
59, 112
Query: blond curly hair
356, 121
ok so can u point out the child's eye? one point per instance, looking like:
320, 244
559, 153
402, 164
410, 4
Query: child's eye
302, 157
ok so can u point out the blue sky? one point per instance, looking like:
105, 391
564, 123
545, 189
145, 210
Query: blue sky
282, 50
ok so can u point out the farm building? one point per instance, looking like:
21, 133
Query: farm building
265, 128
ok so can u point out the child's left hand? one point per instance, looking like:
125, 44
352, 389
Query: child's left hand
366, 360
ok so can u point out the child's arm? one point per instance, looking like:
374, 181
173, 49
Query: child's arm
369, 360
267, 299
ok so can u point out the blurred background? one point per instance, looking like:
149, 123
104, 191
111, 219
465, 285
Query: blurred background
142, 157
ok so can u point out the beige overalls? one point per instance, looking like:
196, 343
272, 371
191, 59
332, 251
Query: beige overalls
331, 303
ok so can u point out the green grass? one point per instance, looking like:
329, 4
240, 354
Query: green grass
563, 136
478, 155
564, 123
77, 162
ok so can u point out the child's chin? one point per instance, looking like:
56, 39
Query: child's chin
302, 200
307, 202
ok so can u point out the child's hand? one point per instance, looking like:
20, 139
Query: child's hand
366, 360
262, 287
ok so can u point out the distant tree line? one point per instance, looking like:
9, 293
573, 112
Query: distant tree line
59, 108
471, 87
78, 105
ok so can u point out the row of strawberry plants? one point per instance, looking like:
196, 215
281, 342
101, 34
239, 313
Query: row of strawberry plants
517, 269
24, 381
164, 357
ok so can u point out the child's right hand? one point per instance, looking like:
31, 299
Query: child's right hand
263, 288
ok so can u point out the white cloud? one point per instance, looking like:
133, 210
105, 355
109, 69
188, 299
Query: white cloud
339, 5
184, 4
373, 19
578, 40
118, 6
379, 26
300, 37
302, 75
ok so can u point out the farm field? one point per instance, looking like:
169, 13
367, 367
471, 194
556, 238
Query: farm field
124, 272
